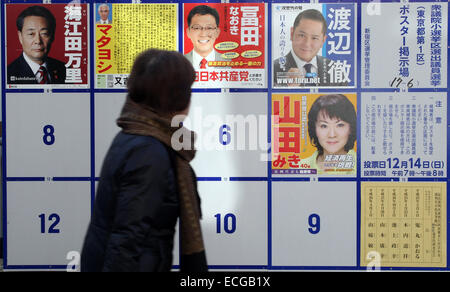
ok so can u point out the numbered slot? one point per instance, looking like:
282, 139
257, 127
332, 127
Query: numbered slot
43, 234
48, 135
107, 110
234, 222
231, 134
313, 224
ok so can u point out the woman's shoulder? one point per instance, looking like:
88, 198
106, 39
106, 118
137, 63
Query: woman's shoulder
141, 150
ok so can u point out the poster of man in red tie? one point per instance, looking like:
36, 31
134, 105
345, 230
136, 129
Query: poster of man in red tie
225, 44
47, 45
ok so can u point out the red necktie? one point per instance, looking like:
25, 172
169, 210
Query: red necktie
203, 63
42, 76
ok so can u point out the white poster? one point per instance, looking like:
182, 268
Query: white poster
404, 135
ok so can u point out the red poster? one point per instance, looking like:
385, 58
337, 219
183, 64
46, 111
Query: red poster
47, 45
225, 43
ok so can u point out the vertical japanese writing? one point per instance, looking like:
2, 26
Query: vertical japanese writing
73, 43
404, 48
282, 42
367, 57
249, 26
234, 20
436, 41
339, 42
104, 47
420, 57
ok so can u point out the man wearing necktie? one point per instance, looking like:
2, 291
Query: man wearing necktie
103, 12
302, 66
36, 31
203, 30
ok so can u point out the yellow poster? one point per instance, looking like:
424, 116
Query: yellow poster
125, 30
404, 223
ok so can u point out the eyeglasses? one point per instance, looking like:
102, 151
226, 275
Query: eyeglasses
208, 29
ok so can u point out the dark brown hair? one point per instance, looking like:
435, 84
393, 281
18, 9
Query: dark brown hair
37, 11
203, 10
311, 14
161, 80
334, 106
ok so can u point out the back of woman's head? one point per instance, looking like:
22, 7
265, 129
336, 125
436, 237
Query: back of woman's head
161, 80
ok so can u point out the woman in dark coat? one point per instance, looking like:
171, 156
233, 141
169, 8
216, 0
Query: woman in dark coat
145, 184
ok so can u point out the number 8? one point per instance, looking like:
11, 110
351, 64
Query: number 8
48, 138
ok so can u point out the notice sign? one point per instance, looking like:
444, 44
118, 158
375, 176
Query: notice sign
403, 224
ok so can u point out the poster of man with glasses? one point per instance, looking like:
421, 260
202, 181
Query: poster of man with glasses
225, 44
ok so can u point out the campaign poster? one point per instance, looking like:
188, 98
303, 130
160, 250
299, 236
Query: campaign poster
404, 45
226, 44
314, 45
123, 31
404, 135
314, 134
50, 48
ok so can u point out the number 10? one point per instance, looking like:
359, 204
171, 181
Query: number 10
229, 226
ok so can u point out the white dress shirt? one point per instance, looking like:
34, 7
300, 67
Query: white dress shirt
35, 66
300, 63
196, 59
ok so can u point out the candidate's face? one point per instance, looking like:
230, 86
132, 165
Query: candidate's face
307, 39
35, 38
332, 133
203, 32
103, 11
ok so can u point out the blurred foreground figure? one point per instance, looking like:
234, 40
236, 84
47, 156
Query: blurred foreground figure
145, 184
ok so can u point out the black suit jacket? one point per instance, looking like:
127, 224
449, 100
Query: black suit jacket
19, 72
322, 71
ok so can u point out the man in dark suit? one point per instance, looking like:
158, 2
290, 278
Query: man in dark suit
36, 31
302, 66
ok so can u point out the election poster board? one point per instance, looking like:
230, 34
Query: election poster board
404, 45
61, 46
285, 182
231, 45
131, 29
324, 36
314, 134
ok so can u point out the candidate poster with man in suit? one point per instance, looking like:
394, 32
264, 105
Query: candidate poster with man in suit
47, 45
313, 45
225, 42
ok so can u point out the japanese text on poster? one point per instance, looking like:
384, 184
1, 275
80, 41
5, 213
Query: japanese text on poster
405, 46
225, 43
314, 134
126, 31
59, 58
404, 135
405, 223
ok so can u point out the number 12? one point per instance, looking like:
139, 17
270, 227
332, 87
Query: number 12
52, 228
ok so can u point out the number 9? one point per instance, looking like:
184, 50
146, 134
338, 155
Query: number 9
314, 223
